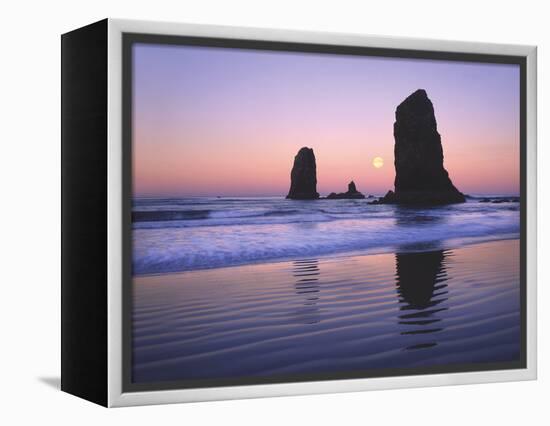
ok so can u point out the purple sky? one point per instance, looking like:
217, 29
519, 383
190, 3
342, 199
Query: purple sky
213, 121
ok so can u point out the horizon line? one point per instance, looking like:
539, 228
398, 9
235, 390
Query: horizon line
173, 195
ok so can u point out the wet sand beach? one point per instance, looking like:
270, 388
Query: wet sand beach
330, 314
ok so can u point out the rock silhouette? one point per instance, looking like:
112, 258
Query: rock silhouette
303, 177
420, 177
352, 193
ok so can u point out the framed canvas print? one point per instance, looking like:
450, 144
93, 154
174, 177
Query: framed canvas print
251, 212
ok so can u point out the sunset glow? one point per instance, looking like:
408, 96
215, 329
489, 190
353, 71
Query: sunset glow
228, 122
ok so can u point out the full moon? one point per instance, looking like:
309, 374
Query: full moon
377, 162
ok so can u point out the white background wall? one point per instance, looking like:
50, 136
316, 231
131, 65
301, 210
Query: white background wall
30, 197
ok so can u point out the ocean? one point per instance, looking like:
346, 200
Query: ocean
182, 234
267, 288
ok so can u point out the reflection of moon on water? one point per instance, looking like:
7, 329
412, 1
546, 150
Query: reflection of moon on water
378, 162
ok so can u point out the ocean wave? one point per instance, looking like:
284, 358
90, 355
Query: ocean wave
280, 213
291, 212
169, 215
160, 250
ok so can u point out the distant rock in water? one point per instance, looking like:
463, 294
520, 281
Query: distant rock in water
303, 178
351, 194
420, 177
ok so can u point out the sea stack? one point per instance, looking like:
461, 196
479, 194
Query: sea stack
303, 178
420, 177
352, 193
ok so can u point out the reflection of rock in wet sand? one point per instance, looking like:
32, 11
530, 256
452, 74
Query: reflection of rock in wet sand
421, 287
306, 272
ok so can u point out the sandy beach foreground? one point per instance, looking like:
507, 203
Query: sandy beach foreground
330, 314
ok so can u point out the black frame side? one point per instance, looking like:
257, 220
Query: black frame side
130, 39
84, 212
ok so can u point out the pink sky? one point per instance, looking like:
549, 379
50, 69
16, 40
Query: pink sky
211, 121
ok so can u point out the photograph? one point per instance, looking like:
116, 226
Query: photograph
303, 215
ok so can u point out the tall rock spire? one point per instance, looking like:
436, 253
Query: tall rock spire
303, 178
420, 177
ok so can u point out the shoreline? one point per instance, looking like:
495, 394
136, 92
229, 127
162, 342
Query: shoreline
451, 244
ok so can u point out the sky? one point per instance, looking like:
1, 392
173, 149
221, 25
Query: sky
228, 122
